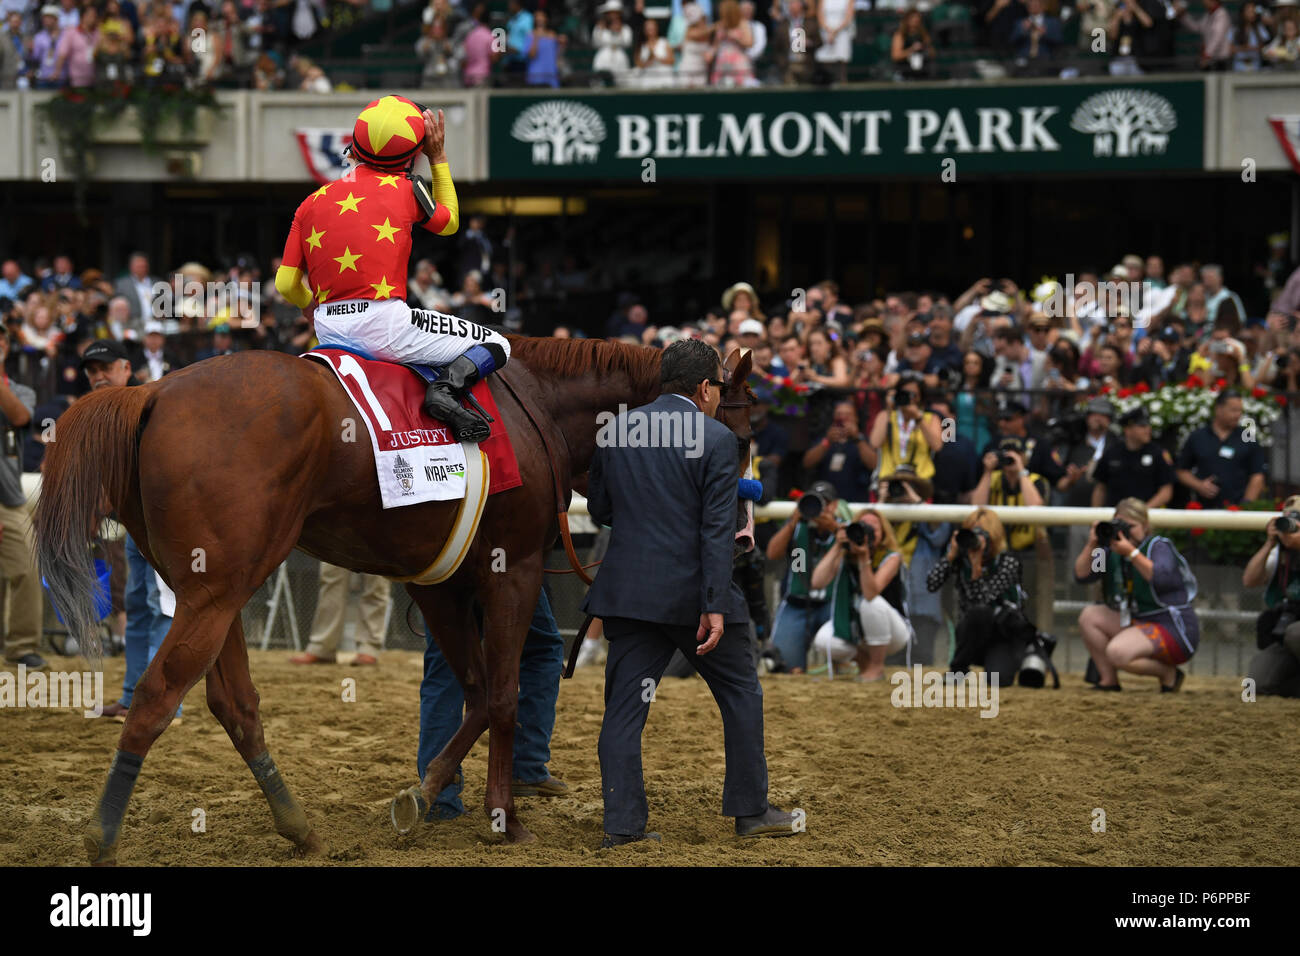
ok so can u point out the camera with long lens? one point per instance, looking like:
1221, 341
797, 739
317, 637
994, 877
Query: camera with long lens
1068, 429
1005, 460
860, 534
968, 540
1288, 523
811, 505
1290, 614
1107, 531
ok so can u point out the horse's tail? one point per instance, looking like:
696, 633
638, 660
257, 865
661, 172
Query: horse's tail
89, 467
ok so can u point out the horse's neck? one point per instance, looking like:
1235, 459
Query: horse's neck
580, 418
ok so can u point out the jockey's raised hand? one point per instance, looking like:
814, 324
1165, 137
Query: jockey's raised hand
435, 137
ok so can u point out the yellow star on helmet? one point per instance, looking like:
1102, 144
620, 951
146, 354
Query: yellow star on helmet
321, 294
350, 203
386, 231
389, 117
347, 260
314, 239
382, 288
390, 180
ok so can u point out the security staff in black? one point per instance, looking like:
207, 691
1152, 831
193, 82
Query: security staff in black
1135, 467
1040, 457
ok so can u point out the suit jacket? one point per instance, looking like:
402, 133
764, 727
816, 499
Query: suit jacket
673, 519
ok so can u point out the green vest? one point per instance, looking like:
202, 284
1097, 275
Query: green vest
1283, 586
1122, 581
845, 591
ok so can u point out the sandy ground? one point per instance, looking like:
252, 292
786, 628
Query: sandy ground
1195, 778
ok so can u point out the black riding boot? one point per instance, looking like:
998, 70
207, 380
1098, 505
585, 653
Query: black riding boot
442, 401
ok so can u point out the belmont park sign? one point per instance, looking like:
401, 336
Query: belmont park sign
1061, 127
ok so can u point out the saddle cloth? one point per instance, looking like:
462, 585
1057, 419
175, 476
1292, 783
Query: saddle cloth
416, 457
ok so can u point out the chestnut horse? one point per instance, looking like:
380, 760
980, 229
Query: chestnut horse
219, 470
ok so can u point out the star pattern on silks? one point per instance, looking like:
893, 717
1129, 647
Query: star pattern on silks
349, 204
314, 239
321, 294
386, 230
386, 118
390, 180
382, 288
348, 260
320, 192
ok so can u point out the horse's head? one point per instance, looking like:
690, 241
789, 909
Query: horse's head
733, 411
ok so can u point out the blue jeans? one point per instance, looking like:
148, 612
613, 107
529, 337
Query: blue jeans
146, 625
793, 629
442, 706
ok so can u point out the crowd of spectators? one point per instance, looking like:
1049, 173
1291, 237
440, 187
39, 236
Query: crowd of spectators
640, 44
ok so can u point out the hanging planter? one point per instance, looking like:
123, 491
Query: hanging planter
149, 116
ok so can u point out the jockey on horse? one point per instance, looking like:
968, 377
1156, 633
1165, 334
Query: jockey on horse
358, 294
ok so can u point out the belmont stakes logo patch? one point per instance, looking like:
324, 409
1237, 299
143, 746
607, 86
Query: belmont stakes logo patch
322, 151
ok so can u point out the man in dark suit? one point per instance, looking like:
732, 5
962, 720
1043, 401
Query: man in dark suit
670, 498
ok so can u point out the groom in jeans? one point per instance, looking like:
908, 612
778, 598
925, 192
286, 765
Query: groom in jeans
442, 705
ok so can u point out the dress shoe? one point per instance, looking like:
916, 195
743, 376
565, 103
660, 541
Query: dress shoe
622, 839
33, 662
772, 822
365, 660
117, 710
308, 658
550, 787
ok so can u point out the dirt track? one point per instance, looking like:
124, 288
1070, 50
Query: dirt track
1197, 778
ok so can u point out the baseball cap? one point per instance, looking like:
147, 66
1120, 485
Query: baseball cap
1135, 416
104, 350
1011, 443
1012, 409
1170, 334
918, 338
1100, 406
750, 327
824, 489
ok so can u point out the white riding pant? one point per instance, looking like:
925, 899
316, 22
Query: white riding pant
391, 331
882, 625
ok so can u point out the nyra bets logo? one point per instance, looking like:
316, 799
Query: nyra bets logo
563, 132
1126, 122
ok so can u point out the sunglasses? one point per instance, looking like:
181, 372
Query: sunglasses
715, 382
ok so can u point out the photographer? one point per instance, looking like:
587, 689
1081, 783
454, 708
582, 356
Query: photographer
903, 434
1147, 624
1276, 668
843, 457
868, 617
804, 540
992, 629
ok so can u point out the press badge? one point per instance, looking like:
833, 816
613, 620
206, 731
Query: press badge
837, 461
1125, 615
1227, 451
1146, 461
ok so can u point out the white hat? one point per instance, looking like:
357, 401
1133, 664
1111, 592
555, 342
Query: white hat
610, 6
50, 10
153, 325
750, 327
997, 302
693, 12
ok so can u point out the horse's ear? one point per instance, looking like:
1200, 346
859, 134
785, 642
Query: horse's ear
739, 363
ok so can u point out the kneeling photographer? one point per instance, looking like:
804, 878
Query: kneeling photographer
992, 629
802, 542
1147, 624
868, 617
1276, 668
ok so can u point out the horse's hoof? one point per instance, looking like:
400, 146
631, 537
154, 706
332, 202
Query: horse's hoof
407, 810
310, 845
97, 854
518, 833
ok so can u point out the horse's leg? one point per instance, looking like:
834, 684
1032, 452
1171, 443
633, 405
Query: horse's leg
233, 700
449, 615
508, 605
191, 645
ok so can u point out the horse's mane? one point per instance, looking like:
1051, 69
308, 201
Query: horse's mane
569, 358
